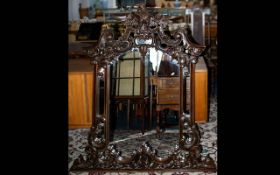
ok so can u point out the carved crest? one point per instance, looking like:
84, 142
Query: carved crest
143, 30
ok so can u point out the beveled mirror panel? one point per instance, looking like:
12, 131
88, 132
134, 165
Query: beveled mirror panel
127, 120
144, 123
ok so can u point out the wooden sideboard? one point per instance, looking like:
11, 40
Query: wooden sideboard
80, 78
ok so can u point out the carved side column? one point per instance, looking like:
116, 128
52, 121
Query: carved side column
95, 94
107, 103
181, 109
192, 94
142, 84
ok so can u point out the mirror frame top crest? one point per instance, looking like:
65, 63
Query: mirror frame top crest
143, 31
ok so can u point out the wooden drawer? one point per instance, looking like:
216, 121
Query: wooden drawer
168, 96
168, 82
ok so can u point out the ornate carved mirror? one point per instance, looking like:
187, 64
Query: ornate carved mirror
129, 130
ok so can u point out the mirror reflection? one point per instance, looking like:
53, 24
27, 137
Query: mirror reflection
144, 102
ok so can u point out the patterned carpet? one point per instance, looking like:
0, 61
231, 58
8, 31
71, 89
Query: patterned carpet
78, 140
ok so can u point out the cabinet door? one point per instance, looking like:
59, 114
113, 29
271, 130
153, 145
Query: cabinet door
80, 99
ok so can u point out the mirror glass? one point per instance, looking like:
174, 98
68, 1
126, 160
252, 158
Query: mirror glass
126, 75
141, 109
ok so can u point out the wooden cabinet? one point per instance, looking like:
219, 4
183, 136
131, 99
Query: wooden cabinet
168, 97
201, 92
80, 78
168, 93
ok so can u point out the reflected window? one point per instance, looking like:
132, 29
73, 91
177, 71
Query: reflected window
127, 74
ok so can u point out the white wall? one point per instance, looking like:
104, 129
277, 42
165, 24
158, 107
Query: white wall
85, 3
73, 8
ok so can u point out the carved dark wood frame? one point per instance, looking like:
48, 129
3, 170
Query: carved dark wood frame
100, 155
